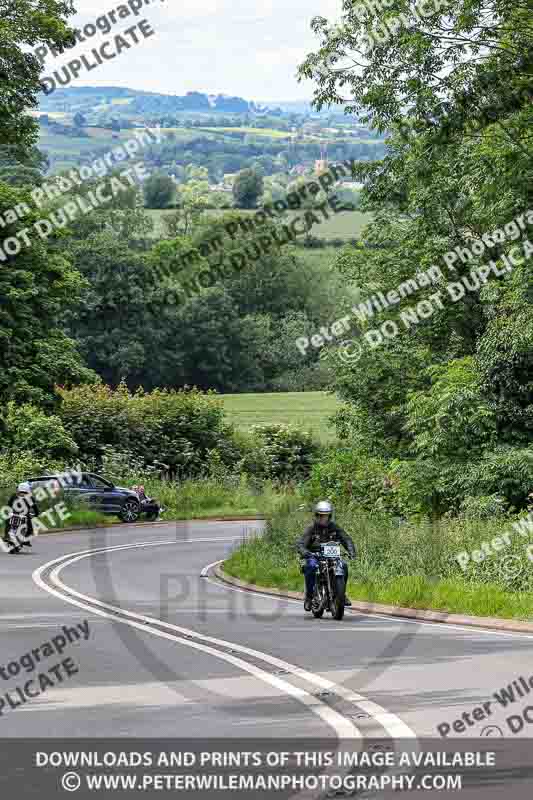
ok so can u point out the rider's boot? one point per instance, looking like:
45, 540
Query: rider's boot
308, 602
347, 601
12, 543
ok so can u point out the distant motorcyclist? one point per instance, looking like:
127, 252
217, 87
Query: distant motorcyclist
321, 530
23, 508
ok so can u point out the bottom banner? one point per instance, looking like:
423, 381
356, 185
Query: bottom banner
474, 769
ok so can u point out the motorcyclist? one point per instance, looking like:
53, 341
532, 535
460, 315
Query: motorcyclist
22, 504
321, 530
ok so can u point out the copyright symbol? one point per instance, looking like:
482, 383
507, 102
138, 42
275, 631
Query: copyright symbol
491, 730
71, 781
350, 351
511, 566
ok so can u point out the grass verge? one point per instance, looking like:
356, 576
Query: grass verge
413, 566
78, 517
191, 499
208, 497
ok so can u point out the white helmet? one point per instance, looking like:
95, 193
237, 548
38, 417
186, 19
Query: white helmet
24, 488
323, 507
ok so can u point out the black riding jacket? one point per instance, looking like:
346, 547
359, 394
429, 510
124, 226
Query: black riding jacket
315, 535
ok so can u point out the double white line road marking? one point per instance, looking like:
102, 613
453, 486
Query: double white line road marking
47, 578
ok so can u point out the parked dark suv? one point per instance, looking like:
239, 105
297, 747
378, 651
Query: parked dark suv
98, 493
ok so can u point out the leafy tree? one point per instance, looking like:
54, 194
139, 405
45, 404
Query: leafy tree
114, 323
36, 286
193, 198
451, 419
433, 73
22, 170
247, 188
208, 344
26, 24
159, 191
130, 225
447, 403
505, 356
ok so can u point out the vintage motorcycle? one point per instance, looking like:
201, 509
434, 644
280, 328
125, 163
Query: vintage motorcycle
330, 586
16, 535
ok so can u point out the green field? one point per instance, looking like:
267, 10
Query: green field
346, 225
307, 410
66, 152
182, 134
158, 216
270, 132
324, 257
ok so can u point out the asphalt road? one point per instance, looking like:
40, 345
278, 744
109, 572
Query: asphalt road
171, 653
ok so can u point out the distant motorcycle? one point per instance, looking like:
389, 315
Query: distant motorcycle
16, 535
330, 586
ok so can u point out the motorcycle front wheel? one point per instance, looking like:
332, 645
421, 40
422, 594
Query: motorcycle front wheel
319, 604
338, 600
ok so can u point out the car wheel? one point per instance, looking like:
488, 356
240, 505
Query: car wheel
130, 511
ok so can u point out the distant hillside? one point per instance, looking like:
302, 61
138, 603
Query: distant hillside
89, 97
292, 106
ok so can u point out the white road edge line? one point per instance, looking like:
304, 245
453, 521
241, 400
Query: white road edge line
205, 572
400, 620
343, 727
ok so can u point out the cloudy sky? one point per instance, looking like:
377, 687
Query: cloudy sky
250, 48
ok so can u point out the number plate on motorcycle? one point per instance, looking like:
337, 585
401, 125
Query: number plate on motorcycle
331, 550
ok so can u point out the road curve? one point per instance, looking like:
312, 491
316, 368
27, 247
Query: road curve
172, 653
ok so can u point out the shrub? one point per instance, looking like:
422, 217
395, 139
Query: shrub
288, 453
175, 428
124, 466
15, 468
217, 470
482, 507
437, 486
28, 428
254, 463
503, 470
351, 477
